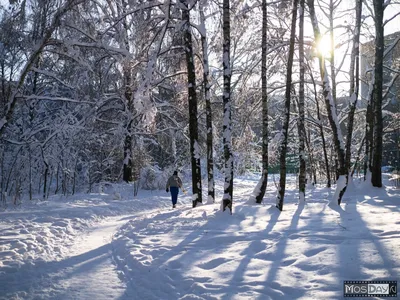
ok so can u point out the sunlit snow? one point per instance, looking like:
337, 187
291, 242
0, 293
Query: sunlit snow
90, 246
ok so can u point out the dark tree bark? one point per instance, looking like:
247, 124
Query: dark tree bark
262, 185
284, 138
369, 136
354, 84
127, 175
227, 121
376, 178
192, 100
301, 127
46, 172
207, 96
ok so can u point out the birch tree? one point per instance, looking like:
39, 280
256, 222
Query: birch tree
354, 83
331, 109
227, 198
288, 90
321, 130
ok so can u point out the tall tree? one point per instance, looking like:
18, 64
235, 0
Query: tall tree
331, 109
301, 127
227, 119
207, 96
128, 79
288, 90
376, 178
259, 192
369, 131
354, 83
332, 6
321, 130
192, 100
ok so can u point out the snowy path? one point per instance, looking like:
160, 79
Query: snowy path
86, 271
91, 273
80, 249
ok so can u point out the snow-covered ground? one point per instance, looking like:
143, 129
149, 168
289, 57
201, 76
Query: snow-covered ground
110, 245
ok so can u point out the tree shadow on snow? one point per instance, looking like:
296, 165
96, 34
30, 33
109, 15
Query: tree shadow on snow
33, 278
272, 287
338, 239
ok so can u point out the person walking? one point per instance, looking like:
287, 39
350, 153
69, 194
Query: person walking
173, 185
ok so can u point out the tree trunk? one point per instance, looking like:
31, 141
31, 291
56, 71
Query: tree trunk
376, 178
128, 163
30, 173
358, 157
321, 128
332, 51
259, 192
74, 178
50, 181
331, 109
2, 190
311, 159
127, 175
369, 136
301, 127
58, 178
192, 100
135, 188
89, 177
46, 172
227, 121
284, 138
207, 96
64, 182
354, 84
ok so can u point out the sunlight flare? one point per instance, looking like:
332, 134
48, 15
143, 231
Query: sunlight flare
324, 46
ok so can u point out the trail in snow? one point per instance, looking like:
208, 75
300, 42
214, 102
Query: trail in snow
90, 272
87, 271
304, 252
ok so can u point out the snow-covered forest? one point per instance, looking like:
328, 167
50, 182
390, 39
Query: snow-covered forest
281, 117
96, 91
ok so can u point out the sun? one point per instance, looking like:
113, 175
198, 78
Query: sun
324, 46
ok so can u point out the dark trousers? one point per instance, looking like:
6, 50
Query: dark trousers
174, 194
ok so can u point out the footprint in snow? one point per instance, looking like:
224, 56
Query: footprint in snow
288, 262
313, 252
212, 264
174, 264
